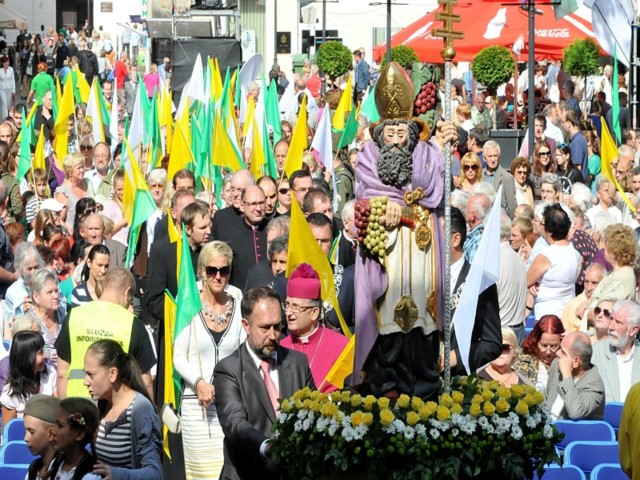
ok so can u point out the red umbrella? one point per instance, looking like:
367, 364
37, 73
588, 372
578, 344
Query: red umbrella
487, 23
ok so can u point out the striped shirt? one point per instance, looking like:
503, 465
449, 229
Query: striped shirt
113, 445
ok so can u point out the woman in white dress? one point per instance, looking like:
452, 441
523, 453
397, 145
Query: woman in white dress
7, 86
213, 334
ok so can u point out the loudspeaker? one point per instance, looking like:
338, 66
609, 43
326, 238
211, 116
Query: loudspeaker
634, 76
185, 52
185, 27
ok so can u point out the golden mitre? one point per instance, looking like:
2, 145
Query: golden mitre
394, 93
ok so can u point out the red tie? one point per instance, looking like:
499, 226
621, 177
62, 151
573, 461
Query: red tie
272, 389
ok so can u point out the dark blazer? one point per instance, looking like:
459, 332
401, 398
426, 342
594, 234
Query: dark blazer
222, 219
583, 399
245, 411
486, 336
504, 178
117, 253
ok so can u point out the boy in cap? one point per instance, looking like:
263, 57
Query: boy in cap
39, 422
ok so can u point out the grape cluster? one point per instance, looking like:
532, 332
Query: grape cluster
371, 233
426, 99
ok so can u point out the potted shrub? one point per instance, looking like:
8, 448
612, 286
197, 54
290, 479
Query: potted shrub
334, 59
403, 56
492, 67
580, 59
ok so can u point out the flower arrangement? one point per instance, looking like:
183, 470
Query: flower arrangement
481, 429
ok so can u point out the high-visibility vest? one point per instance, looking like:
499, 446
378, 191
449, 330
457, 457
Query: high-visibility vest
91, 322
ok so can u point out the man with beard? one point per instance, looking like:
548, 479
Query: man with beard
616, 357
398, 300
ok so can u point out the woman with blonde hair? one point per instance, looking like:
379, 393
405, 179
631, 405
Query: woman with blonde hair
75, 186
213, 334
471, 171
501, 368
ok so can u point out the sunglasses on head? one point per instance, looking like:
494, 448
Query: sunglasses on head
283, 191
213, 271
470, 167
506, 348
604, 311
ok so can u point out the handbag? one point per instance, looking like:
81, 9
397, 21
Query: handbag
171, 418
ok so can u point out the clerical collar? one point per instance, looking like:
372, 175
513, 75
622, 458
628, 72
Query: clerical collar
308, 338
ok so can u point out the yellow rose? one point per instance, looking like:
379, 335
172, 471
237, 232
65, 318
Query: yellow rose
456, 408
502, 406
443, 413
367, 418
335, 396
463, 381
417, 403
538, 397
305, 403
356, 418
314, 406
412, 418
528, 389
475, 410
529, 400
503, 392
386, 417
383, 403
404, 401
299, 404
356, 400
458, 397
494, 384
315, 394
517, 391
369, 400
346, 396
285, 406
426, 412
297, 395
446, 400
487, 394
488, 409
477, 398
521, 408
306, 392
328, 409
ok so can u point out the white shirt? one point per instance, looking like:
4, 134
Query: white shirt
273, 369
456, 268
625, 370
596, 209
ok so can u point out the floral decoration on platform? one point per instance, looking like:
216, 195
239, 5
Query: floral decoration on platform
481, 429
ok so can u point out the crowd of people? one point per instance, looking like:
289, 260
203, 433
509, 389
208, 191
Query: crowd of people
84, 323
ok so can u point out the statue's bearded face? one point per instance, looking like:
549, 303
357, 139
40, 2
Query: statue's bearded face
396, 140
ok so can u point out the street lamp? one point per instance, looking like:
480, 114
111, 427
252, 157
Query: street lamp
377, 4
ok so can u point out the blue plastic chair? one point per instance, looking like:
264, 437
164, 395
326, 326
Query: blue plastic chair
613, 414
14, 430
588, 455
16, 453
6, 344
584, 430
566, 472
608, 471
13, 472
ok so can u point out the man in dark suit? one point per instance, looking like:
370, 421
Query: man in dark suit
232, 215
248, 382
486, 336
574, 389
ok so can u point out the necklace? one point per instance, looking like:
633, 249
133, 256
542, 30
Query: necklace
302, 350
218, 318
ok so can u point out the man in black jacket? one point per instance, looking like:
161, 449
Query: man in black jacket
88, 62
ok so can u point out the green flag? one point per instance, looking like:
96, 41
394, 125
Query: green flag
368, 108
564, 7
273, 111
188, 298
24, 154
615, 101
350, 129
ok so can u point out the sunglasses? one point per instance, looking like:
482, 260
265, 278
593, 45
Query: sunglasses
506, 348
604, 311
212, 272
470, 167
283, 191
544, 154
86, 147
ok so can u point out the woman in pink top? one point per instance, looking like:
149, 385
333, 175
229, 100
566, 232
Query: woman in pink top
152, 80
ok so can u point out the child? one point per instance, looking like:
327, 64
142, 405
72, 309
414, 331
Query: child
76, 426
39, 421
40, 187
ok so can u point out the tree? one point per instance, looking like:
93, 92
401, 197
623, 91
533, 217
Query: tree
492, 67
334, 59
581, 59
403, 56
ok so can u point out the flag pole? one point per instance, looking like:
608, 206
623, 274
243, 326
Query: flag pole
448, 54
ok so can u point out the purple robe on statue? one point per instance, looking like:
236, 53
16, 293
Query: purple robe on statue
371, 279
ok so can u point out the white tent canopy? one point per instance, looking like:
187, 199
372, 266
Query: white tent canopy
11, 19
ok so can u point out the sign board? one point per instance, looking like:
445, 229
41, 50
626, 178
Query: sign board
284, 42
106, 7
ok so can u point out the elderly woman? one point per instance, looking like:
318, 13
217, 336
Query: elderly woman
45, 296
501, 369
606, 191
26, 261
521, 170
620, 250
471, 171
539, 350
553, 273
550, 188
212, 335
75, 186
602, 314
542, 163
